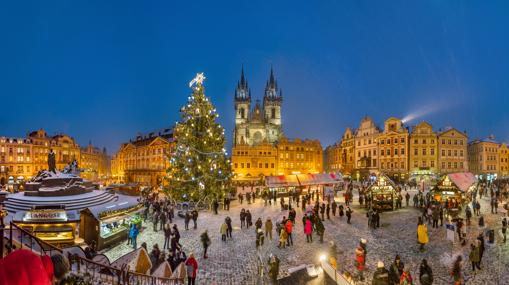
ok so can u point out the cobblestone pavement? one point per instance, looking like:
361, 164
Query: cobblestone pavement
237, 261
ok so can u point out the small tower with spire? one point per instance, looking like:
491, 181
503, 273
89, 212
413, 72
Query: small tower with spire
272, 101
242, 100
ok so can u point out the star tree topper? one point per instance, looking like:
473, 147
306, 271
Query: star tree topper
198, 79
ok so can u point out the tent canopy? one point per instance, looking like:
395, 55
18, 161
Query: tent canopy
462, 180
295, 180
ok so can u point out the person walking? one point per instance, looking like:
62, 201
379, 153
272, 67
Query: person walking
334, 208
425, 273
319, 228
249, 219
396, 270
407, 199
229, 229
348, 214
191, 268
327, 211
242, 218
322, 211
187, 218
205, 241
133, 233
456, 271
422, 235
504, 228
268, 228
167, 236
283, 236
360, 262
289, 229
162, 219
258, 224
155, 220
223, 230
473, 256
259, 238
273, 268
308, 230
194, 216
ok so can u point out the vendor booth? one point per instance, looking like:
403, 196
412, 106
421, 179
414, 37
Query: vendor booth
109, 224
383, 192
302, 183
454, 187
282, 184
52, 224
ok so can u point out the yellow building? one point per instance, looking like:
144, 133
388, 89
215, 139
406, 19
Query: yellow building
95, 163
393, 149
503, 154
143, 160
366, 148
254, 162
483, 157
423, 152
452, 151
40, 148
332, 158
299, 156
66, 150
16, 161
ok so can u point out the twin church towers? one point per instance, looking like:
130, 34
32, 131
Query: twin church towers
260, 123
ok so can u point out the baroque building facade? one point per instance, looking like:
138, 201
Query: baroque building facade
259, 147
484, 157
393, 149
144, 159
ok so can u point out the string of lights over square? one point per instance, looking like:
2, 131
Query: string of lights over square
199, 167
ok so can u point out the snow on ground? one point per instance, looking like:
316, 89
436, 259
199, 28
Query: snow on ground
236, 261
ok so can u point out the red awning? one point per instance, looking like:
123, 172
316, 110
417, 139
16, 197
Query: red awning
463, 180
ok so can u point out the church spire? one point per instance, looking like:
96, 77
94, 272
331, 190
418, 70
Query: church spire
271, 90
242, 92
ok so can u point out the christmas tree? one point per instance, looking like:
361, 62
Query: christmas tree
199, 168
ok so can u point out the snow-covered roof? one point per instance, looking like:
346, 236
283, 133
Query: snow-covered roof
122, 202
137, 260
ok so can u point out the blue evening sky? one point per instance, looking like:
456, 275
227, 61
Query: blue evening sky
106, 70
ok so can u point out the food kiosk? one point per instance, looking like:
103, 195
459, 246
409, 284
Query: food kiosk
109, 224
383, 192
52, 224
454, 186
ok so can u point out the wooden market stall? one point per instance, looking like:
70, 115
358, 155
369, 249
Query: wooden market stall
52, 224
383, 192
454, 187
108, 224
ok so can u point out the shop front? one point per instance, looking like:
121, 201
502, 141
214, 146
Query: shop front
109, 224
52, 224
383, 193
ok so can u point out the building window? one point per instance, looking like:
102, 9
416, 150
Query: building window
416, 151
273, 113
402, 151
382, 152
432, 163
395, 151
266, 165
423, 151
432, 151
242, 165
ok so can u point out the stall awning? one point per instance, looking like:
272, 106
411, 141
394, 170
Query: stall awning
462, 180
281, 181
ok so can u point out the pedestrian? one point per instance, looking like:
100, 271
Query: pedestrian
162, 219
348, 214
223, 230
289, 229
456, 271
129, 236
360, 262
241, 198
242, 218
229, 229
396, 270
205, 241
283, 236
322, 211
327, 211
422, 235
268, 228
425, 273
468, 214
341, 212
259, 238
155, 220
381, 275
167, 236
258, 224
481, 246
406, 277
215, 205
473, 256
191, 268
187, 218
194, 215
319, 228
308, 230
249, 219
133, 232
407, 198
334, 208
273, 268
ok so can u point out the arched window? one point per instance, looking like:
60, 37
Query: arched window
242, 113
273, 113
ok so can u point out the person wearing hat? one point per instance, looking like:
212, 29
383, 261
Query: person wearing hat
381, 275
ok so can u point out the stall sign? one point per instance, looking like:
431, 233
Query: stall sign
44, 215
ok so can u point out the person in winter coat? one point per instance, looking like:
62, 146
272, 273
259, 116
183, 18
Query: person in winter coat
327, 211
223, 230
334, 208
422, 235
320, 229
341, 212
474, 257
249, 219
268, 228
205, 241
187, 219
480, 244
283, 237
273, 268
242, 218
425, 273
191, 268
23, 267
308, 230
504, 228
194, 216
456, 271
155, 220
360, 262
162, 220
259, 238
396, 270
348, 214
322, 211
133, 233
258, 224
229, 231
167, 236
381, 275
406, 277
289, 230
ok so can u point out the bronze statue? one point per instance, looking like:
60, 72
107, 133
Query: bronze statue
51, 162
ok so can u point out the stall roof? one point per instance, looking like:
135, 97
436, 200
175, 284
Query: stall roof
303, 179
380, 180
281, 181
123, 202
462, 180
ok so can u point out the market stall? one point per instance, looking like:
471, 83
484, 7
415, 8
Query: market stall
282, 184
454, 188
109, 224
52, 224
383, 192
